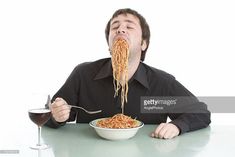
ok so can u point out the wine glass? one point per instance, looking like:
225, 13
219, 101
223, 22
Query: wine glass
39, 114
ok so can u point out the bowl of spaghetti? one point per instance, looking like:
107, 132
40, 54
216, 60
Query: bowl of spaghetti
118, 127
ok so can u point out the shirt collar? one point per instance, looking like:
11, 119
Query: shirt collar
140, 74
105, 71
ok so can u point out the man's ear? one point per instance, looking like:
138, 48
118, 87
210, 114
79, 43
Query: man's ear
143, 45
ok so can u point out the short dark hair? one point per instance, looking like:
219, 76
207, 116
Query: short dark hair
144, 27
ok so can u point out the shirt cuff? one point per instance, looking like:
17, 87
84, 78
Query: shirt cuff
183, 127
54, 124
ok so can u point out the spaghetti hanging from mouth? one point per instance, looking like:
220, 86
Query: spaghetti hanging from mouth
120, 55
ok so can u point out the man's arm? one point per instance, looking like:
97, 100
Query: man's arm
195, 115
67, 94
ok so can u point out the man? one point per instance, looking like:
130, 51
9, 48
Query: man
90, 85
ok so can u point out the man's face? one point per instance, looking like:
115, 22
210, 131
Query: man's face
127, 27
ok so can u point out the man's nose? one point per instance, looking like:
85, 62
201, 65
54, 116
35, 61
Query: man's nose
121, 31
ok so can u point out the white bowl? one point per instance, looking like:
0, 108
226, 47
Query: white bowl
115, 134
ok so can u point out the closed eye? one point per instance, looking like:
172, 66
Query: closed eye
114, 28
128, 27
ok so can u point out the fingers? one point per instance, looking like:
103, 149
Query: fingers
166, 131
60, 110
156, 133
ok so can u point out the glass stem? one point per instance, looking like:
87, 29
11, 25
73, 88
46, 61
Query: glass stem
39, 135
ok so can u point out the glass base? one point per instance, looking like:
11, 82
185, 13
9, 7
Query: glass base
40, 147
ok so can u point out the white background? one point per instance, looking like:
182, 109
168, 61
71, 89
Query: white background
42, 41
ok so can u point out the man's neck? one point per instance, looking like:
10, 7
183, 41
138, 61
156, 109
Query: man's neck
132, 67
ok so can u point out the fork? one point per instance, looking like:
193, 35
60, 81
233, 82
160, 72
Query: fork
89, 112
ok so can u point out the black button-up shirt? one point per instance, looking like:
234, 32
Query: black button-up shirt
90, 85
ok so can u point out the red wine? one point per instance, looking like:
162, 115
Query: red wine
39, 116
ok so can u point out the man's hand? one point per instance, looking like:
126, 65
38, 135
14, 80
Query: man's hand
60, 110
166, 131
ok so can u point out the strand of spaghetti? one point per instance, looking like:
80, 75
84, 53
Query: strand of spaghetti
120, 55
118, 121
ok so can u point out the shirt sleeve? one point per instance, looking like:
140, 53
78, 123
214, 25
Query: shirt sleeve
54, 124
69, 92
196, 114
